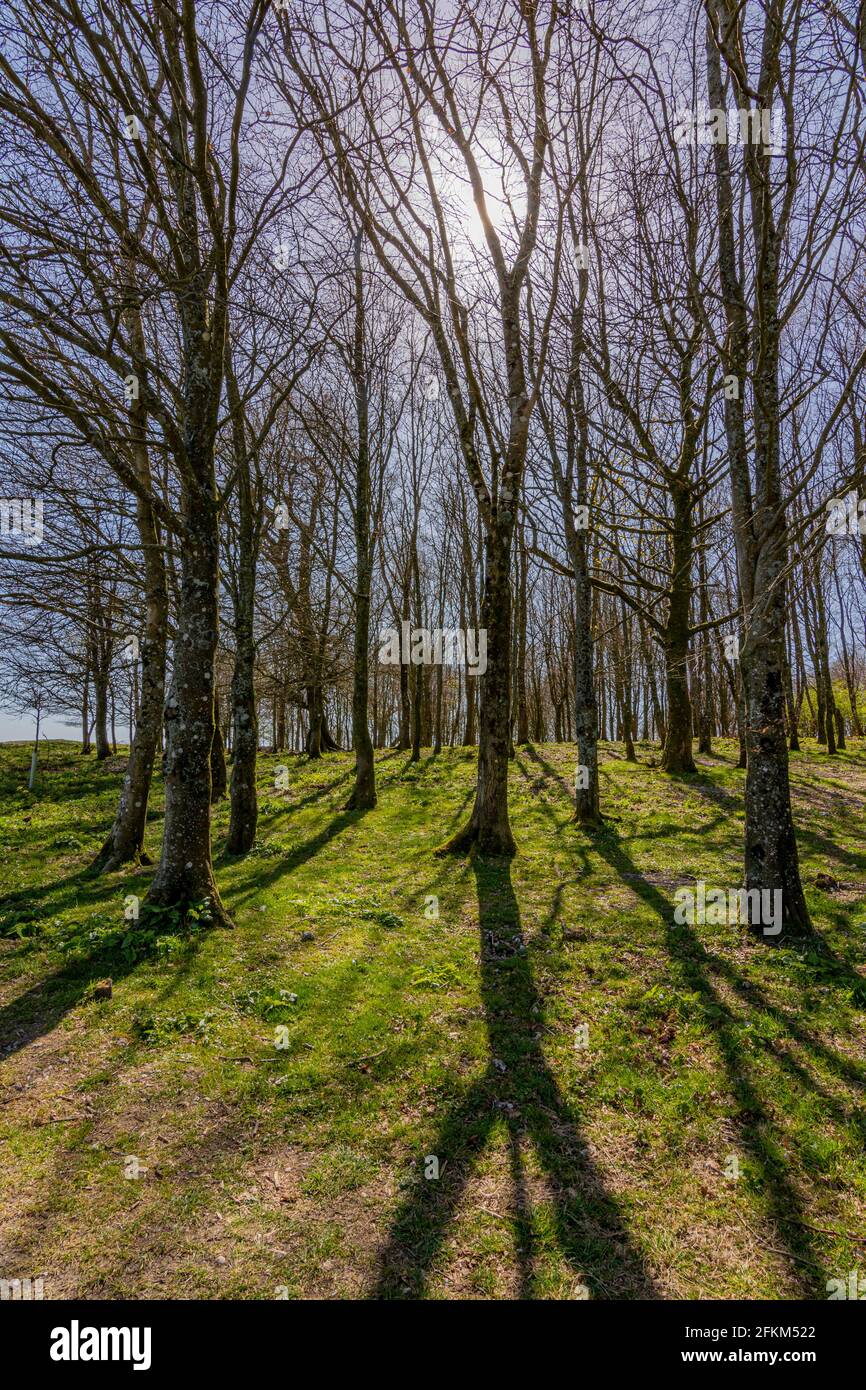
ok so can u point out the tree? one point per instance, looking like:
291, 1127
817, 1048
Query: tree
389, 147
151, 165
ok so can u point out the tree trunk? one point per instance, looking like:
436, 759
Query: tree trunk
587, 811
771, 860
85, 713
802, 683
677, 756
823, 665
847, 666
100, 711
628, 721
244, 811
405, 710
488, 826
743, 760
793, 736
469, 609
437, 722
417, 671
184, 877
316, 713
125, 842
363, 797
655, 699
705, 731
520, 635
218, 770
572, 485
771, 857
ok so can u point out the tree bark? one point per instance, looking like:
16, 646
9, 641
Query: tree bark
125, 842
244, 809
771, 860
363, 797
793, 735
417, 671
85, 713
823, 665
677, 755
100, 707
218, 770
705, 731
488, 826
184, 877
520, 642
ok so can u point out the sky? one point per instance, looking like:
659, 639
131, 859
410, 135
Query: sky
16, 728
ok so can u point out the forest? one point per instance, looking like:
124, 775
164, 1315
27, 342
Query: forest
433, 648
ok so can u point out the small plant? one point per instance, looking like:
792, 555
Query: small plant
436, 977
67, 842
264, 1003
153, 1029
382, 916
264, 849
18, 924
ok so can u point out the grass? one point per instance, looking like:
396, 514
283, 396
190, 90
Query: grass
286, 1092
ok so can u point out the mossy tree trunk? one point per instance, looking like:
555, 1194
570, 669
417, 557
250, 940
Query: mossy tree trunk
363, 797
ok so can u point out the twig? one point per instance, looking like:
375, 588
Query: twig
500, 1216
787, 1254
827, 1230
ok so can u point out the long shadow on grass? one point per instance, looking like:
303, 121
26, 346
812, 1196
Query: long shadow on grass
757, 1130
39, 1009
297, 856
517, 1090
315, 794
812, 839
52, 898
127, 1239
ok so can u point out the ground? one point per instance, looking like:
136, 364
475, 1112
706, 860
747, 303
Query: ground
619, 1106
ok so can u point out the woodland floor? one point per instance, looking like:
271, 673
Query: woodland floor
565, 1171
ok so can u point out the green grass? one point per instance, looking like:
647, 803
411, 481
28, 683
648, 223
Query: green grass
298, 1170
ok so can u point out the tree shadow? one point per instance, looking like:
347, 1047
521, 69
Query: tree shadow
315, 794
286, 863
823, 847
137, 1246
519, 1091
756, 1127
39, 1009
813, 839
707, 788
755, 1124
428, 762
61, 893
545, 778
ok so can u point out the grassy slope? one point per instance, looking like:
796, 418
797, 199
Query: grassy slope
564, 1171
